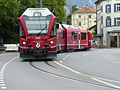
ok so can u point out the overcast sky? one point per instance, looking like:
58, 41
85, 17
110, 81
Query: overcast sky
81, 3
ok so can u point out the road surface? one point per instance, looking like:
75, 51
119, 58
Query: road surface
97, 69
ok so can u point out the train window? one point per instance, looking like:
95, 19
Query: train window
54, 30
83, 36
74, 36
21, 32
37, 25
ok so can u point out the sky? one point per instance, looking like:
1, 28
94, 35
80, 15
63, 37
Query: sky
80, 3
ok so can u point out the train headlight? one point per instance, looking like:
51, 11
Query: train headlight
24, 43
51, 42
37, 45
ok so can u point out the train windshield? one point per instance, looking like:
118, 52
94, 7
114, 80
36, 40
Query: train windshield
37, 25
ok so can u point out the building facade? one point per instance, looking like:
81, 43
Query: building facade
108, 23
84, 17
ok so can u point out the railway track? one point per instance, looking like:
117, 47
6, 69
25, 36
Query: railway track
73, 78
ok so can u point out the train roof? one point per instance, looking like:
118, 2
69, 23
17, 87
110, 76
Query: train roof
37, 11
71, 26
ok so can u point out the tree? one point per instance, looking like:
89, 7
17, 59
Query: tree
9, 10
27, 4
73, 9
57, 8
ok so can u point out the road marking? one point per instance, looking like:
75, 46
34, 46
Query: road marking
91, 77
1, 77
67, 68
4, 66
109, 84
2, 84
116, 62
3, 87
1, 80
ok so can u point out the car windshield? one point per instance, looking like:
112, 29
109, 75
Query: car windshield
37, 25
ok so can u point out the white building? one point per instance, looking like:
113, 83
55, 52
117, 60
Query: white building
108, 23
84, 17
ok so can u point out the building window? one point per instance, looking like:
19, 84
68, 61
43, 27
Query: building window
101, 8
118, 7
118, 21
89, 16
79, 16
101, 19
108, 21
79, 23
108, 8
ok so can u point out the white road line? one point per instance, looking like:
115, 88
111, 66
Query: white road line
67, 68
1, 80
3, 87
109, 84
2, 84
4, 66
108, 80
91, 77
116, 62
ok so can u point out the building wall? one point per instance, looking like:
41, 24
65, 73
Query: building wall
102, 29
83, 19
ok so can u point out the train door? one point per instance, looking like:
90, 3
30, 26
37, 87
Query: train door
74, 40
79, 40
89, 39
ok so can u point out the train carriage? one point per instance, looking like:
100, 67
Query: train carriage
37, 34
73, 38
41, 38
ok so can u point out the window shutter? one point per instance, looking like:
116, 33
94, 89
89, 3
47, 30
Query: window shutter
106, 23
114, 7
110, 22
106, 8
114, 21
110, 8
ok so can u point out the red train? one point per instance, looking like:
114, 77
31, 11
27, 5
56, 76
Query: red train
41, 36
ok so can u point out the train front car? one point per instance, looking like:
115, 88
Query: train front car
37, 34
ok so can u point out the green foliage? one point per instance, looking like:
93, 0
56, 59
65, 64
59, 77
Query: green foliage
74, 8
68, 19
57, 7
27, 4
9, 10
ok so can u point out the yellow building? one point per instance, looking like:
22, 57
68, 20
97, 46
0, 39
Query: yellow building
84, 17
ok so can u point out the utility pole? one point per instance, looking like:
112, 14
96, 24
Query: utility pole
41, 3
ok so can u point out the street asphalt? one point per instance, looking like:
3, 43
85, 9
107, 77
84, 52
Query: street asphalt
96, 69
